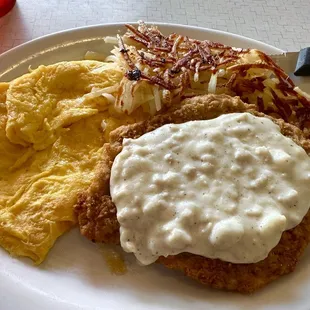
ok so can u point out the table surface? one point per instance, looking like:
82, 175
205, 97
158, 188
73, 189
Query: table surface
282, 23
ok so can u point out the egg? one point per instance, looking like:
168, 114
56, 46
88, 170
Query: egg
40, 104
51, 139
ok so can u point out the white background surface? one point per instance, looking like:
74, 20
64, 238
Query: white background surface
282, 23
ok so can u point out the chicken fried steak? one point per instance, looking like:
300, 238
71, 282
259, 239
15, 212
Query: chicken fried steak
97, 214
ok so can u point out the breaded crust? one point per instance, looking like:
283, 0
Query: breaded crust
97, 214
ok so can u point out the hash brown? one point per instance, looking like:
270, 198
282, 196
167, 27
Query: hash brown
97, 213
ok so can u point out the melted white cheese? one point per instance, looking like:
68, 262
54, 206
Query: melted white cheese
223, 188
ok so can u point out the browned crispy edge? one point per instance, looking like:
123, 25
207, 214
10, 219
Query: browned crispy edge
97, 214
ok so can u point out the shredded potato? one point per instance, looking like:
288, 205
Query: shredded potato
94, 56
110, 40
162, 70
212, 84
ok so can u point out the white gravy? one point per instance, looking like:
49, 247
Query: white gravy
223, 188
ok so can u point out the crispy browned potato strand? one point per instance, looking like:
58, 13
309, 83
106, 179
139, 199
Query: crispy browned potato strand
97, 214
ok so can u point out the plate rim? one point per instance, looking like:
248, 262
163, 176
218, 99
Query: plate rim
96, 26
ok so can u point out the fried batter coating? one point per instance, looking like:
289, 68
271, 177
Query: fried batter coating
97, 214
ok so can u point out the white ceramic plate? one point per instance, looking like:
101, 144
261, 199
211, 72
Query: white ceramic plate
75, 276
